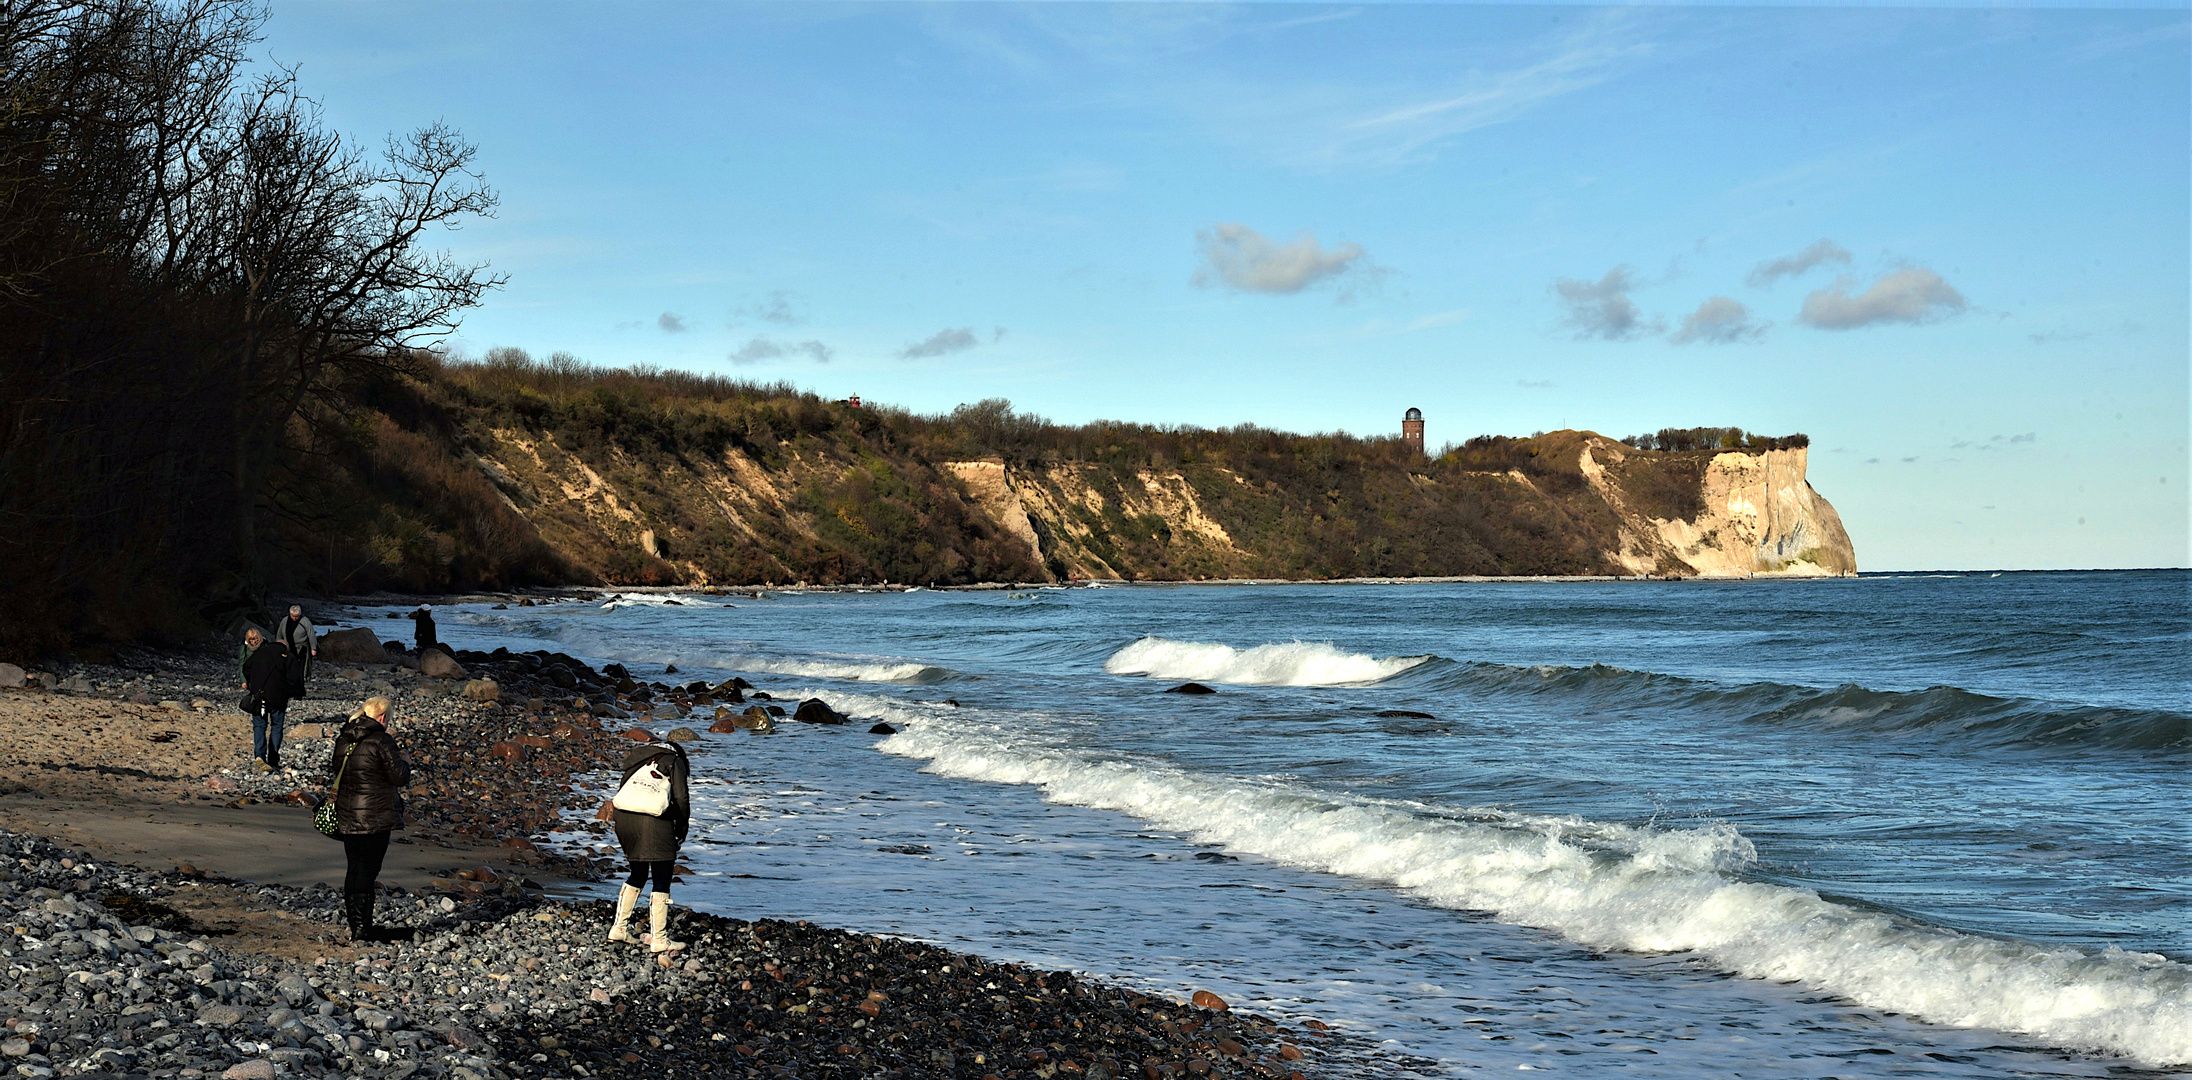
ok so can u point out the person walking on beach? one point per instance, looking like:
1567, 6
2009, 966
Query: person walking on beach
423, 618
266, 697
366, 776
301, 638
653, 811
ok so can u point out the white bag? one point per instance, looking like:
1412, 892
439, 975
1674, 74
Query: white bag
647, 792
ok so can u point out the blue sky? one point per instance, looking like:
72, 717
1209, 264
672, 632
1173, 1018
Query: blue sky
1952, 245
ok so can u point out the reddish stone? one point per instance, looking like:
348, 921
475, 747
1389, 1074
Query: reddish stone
1229, 1048
508, 751
640, 735
1289, 1052
537, 742
1207, 1000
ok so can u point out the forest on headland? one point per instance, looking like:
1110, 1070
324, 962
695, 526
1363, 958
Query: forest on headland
219, 382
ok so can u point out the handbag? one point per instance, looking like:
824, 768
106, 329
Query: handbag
323, 816
646, 791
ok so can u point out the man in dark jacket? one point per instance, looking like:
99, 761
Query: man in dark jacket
366, 777
301, 638
266, 690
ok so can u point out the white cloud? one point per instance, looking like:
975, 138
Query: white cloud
944, 343
1602, 308
1913, 294
763, 347
1719, 321
670, 323
1821, 251
1242, 258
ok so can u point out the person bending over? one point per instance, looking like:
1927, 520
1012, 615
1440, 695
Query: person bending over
366, 777
651, 840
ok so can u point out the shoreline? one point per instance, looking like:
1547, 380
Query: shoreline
234, 962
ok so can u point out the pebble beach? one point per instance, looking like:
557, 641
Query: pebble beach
165, 909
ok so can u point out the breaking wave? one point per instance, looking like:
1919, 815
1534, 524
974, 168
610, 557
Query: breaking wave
1644, 890
1294, 663
1948, 712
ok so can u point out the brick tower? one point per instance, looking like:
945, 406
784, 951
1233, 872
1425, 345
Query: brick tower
1411, 430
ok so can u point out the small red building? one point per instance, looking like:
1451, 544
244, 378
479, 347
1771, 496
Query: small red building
1411, 430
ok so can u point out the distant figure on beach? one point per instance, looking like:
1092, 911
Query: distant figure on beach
424, 618
366, 776
651, 839
301, 638
265, 667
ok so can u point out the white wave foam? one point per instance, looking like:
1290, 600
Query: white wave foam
1293, 663
625, 600
1616, 887
899, 671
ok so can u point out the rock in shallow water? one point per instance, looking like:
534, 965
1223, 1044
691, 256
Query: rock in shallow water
1191, 688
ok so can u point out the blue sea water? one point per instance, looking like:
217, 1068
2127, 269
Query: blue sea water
1897, 825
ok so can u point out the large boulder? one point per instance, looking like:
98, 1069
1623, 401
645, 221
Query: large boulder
357, 645
817, 711
12, 677
437, 664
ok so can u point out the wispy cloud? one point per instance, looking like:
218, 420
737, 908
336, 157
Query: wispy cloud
1414, 129
1911, 295
1719, 321
1239, 257
670, 323
763, 348
1602, 309
1820, 252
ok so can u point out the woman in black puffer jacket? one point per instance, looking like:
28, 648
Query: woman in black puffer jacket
368, 806
651, 841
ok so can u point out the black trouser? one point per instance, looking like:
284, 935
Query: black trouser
659, 870
365, 852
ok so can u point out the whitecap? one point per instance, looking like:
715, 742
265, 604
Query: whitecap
1293, 663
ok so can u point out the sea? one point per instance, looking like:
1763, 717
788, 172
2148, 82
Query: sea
1893, 825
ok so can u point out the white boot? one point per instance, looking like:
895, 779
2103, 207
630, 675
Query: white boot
658, 921
626, 901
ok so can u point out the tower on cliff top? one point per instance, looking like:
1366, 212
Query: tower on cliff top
1411, 429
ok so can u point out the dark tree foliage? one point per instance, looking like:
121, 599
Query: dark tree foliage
193, 271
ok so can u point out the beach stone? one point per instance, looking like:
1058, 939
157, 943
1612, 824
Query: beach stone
1403, 714
378, 1019
756, 720
683, 734
817, 711
221, 783
357, 645
724, 724
509, 752
436, 664
882, 729
76, 684
1191, 688
15, 1048
221, 1015
296, 990
640, 734
667, 712
483, 690
254, 1069
12, 677
1204, 999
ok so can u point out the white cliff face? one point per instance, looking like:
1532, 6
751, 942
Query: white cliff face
1761, 518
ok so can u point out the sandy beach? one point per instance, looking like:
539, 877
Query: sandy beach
167, 913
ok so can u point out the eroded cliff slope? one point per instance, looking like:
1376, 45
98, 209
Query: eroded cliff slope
1571, 503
